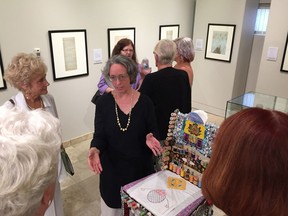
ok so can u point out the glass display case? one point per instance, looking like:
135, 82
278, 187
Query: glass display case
254, 99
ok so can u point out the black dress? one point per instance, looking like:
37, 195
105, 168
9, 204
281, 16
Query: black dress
124, 156
169, 89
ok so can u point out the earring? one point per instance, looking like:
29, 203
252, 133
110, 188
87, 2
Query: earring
26, 94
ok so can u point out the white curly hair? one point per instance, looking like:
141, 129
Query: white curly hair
29, 150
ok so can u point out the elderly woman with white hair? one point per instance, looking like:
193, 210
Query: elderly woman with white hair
185, 55
27, 73
29, 149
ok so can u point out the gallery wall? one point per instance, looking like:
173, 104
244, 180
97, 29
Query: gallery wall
25, 25
217, 81
271, 80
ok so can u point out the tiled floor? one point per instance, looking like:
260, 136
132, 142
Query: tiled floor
80, 193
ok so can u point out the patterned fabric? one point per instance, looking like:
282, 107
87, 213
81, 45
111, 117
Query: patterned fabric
187, 151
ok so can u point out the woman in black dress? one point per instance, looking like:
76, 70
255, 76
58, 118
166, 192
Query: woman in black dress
123, 142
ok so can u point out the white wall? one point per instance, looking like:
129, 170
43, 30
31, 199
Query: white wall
270, 79
216, 82
25, 24
254, 65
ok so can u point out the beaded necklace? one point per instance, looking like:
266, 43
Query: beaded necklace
129, 116
41, 105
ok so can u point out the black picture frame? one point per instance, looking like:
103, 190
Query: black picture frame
170, 32
115, 34
284, 64
2, 81
219, 42
68, 53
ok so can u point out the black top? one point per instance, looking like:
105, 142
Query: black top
124, 156
169, 89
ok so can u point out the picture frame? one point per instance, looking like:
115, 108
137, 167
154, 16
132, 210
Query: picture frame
2, 81
284, 65
115, 34
219, 42
170, 32
68, 53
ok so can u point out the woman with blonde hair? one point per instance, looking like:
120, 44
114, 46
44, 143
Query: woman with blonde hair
27, 73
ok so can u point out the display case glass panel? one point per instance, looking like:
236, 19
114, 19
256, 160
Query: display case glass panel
254, 99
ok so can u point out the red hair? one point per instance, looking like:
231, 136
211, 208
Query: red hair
248, 170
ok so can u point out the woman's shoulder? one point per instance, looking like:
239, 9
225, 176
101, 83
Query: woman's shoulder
185, 67
144, 99
48, 98
17, 99
103, 99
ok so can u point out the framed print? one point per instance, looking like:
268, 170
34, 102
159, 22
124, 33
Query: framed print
68, 53
2, 81
115, 34
170, 32
284, 65
219, 43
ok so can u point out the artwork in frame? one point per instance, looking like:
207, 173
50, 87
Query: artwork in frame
170, 32
2, 81
284, 65
68, 53
219, 42
115, 34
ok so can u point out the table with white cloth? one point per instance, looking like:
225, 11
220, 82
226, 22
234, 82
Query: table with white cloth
153, 194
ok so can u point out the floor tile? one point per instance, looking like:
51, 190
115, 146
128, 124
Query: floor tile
81, 197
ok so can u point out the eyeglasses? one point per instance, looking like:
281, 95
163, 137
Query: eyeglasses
127, 50
120, 78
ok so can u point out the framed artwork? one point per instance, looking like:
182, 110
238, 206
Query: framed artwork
219, 43
170, 32
2, 81
68, 53
284, 65
115, 34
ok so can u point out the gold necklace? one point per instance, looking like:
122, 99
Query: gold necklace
129, 116
41, 105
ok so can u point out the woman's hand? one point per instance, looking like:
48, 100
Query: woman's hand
144, 71
109, 89
153, 144
94, 160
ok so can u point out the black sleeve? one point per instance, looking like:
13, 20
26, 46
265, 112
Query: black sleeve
151, 118
98, 140
146, 86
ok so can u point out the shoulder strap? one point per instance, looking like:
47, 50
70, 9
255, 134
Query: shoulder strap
12, 101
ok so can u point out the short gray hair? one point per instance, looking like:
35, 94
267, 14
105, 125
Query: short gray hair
29, 151
128, 63
166, 51
185, 48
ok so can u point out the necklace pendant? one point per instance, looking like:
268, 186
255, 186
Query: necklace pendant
129, 117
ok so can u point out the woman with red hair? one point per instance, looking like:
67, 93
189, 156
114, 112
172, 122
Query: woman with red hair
248, 170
